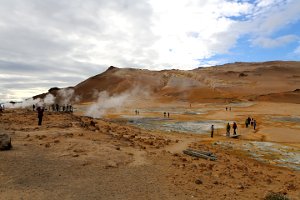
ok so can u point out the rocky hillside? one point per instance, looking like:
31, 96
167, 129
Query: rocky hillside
267, 81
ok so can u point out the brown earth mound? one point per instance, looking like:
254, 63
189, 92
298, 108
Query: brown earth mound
230, 82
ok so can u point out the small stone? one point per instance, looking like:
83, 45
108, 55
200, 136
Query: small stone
198, 181
291, 186
240, 187
111, 164
183, 159
216, 182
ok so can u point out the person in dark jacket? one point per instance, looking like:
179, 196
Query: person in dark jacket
254, 124
40, 111
228, 130
234, 126
212, 131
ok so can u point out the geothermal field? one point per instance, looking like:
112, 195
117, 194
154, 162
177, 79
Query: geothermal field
129, 133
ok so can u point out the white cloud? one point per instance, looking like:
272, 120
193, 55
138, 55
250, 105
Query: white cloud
297, 51
49, 39
276, 42
271, 16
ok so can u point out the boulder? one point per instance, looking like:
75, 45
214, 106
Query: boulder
5, 142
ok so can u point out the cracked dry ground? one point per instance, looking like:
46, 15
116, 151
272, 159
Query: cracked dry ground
73, 157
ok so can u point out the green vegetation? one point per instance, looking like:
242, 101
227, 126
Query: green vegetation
276, 196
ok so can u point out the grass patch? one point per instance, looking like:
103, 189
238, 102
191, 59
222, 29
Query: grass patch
276, 196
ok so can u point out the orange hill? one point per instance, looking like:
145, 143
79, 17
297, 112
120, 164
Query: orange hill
268, 81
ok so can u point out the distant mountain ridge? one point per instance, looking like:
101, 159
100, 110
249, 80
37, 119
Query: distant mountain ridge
225, 83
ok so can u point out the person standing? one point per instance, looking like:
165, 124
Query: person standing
246, 123
254, 124
40, 111
234, 126
249, 120
228, 130
212, 131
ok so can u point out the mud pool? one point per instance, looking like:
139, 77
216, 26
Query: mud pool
181, 111
241, 104
166, 124
292, 119
268, 152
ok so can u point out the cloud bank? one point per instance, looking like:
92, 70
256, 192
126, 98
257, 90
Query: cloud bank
50, 43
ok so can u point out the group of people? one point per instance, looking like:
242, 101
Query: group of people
228, 128
251, 122
63, 108
228, 108
137, 112
166, 114
57, 108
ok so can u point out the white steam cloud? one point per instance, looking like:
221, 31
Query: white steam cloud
106, 102
66, 95
24, 104
49, 99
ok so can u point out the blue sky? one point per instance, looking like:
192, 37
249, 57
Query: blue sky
48, 43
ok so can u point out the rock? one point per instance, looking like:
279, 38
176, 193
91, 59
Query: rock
47, 145
241, 187
198, 181
111, 164
175, 154
5, 142
184, 159
291, 186
216, 182
242, 74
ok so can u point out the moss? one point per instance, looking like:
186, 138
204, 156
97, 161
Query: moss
276, 196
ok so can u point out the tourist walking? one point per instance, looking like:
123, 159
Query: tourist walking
212, 131
234, 126
228, 130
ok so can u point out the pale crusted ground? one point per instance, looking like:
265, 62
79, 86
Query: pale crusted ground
69, 157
